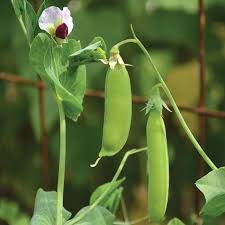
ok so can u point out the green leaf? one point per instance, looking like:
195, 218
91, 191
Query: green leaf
18, 7
87, 50
52, 63
92, 53
175, 221
103, 44
30, 20
94, 44
45, 209
213, 187
112, 198
10, 212
27, 17
113, 201
70, 85
96, 216
38, 49
215, 207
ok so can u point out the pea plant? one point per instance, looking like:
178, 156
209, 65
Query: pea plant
60, 62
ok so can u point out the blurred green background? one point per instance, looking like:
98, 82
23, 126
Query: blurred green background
169, 28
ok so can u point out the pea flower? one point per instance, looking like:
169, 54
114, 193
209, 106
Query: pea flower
56, 22
113, 60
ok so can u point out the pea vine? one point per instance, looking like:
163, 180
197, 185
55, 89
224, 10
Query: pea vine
61, 62
170, 98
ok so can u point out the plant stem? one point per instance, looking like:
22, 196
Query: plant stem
117, 174
177, 111
125, 42
62, 160
124, 210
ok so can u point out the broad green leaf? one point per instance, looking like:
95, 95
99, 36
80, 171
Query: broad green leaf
51, 62
213, 187
75, 82
96, 216
215, 207
112, 198
45, 209
10, 212
175, 221
72, 103
38, 50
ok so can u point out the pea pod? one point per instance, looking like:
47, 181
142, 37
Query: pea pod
118, 109
158, 167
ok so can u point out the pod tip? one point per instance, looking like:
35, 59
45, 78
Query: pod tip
96, 162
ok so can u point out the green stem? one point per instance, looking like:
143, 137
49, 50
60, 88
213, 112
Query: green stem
124, 210
177, 111
124, 42
187, 130
116, 176
62, 160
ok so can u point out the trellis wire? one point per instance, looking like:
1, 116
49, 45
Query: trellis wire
202, 98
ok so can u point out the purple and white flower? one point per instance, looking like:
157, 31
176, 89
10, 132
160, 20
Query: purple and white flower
56, 22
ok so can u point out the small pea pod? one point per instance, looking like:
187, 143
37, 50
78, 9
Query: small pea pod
118, 108
158, 166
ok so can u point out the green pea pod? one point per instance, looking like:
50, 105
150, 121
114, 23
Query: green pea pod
158, 167
118, 110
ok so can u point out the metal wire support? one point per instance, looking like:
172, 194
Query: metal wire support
202, 97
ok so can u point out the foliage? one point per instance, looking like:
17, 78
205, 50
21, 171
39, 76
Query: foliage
98, 215
213, 187
45, 209
112, 199
69, 86
172, 50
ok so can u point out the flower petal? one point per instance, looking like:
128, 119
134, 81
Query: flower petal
62, 31
67, 19
50, 18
